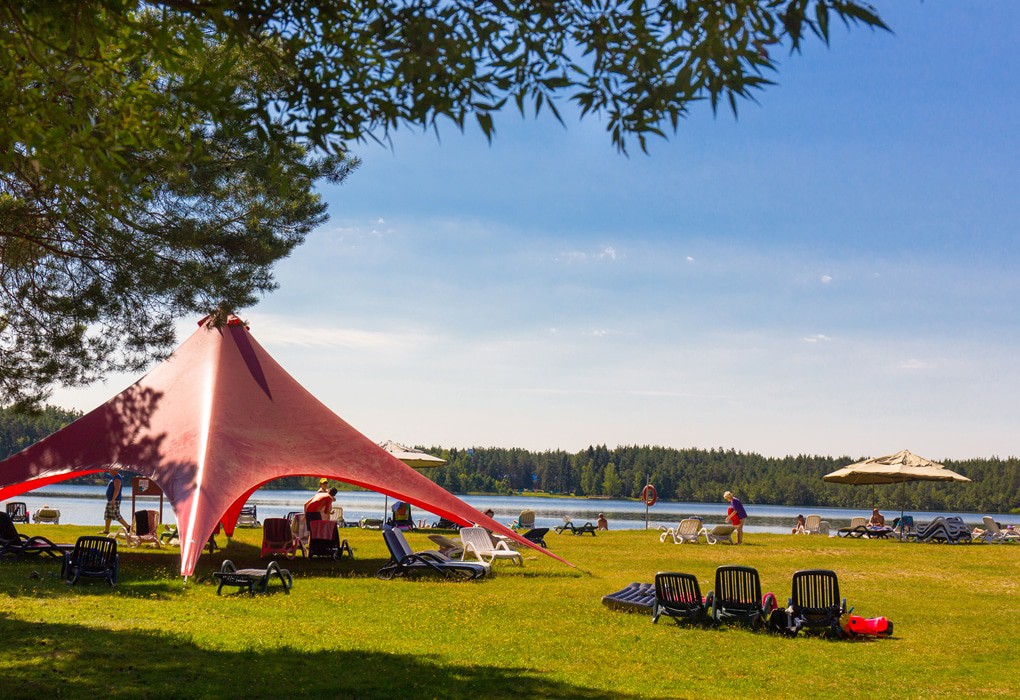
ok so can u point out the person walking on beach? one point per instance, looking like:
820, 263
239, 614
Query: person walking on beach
113, 494
737, 516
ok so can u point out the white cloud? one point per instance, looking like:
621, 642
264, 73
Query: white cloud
826, 279
605, 253
690, 259
817, 338
279, 331
354, 236
914, 363
573, 256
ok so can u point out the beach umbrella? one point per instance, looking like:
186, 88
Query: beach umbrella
899, 468
412, 458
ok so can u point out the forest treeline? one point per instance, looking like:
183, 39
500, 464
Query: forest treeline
699, 475
693, 475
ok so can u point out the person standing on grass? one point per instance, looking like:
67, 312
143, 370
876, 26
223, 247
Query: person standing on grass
113, 494
736, 515
318, 506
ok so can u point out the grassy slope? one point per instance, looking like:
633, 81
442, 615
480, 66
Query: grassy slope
538, 631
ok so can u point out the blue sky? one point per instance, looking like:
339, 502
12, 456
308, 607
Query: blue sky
833, 272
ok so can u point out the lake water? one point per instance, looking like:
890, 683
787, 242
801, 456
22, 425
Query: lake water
83, 505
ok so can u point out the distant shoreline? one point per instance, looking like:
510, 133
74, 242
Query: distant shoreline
55, 490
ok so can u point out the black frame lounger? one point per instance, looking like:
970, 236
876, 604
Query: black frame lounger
678, 596
404, 560
229, 575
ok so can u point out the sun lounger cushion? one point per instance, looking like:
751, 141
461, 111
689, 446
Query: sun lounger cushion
636, 597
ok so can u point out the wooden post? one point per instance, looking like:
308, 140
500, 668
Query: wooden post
144, 486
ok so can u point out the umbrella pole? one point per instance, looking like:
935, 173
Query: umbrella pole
646, 502
903, 504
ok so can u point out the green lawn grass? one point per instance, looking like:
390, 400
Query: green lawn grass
536, 631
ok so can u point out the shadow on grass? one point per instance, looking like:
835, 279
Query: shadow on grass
64, 660
41, 579
150, 572
244, 555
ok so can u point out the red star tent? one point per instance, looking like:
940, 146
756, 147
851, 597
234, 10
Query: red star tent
210, 425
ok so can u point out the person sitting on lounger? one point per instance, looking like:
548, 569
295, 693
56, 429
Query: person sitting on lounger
877, 519
798, 529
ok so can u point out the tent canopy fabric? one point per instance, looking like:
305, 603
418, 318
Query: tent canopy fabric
893, 469
211, 424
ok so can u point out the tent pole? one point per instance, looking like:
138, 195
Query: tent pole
646, 503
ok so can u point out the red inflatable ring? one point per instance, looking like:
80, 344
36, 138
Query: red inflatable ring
649, 495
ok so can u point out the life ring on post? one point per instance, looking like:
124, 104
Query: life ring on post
649, 495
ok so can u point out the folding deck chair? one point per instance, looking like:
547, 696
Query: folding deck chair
404, 560
336, 514
857, 528
995, 534
230, 575
299, 526
737, 597
815, 603
688, 530
402, 517
678, 596
525, 521
537, 535
718, 533
18, 512
478, 543
144, 528
92, 557
248, 517
814, 525
19, 545
444, 524
324, 541
951, 530
50, 516
279, 538
568, 524
448, 547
